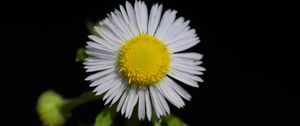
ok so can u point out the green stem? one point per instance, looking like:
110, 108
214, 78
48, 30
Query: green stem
75, 102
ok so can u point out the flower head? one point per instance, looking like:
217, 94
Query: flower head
137, 56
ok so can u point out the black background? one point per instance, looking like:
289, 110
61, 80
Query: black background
246, 69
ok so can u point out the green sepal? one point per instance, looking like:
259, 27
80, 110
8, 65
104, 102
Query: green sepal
81, 55
91, 27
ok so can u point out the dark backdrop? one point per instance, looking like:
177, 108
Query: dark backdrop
244, 70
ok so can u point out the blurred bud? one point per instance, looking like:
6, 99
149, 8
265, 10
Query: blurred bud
49, 108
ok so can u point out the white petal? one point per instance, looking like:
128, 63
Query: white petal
170, 94
183, 93
103, 42
119, 92
144, 16
123, 110
141, 16
112, 25
148, 105
112, 91
132, 18
173, 30
99, 67
156, 103
103, 62
154, 18
182, 47
187, 75
183, 39
109, 37
94, 51
132, 101
99, 74
137, 11
181, 32
184, 36
189, 55
188, 67
103, 87
93, 59
183, 79
127, 22
124, 15
183, 28
166, 21
98, 47
118, 20
122, 100
103, 79
135, 99
189, 58
198, 62
183, 61
110, 97
163, 101
173, 94
162, 24
111, 31
188, 71
167, 95
142, 105
129, 101
104, 55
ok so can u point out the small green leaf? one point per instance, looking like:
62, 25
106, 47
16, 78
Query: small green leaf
81, 55
105, 117
173, 121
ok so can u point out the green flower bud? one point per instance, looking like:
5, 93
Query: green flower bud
49, 108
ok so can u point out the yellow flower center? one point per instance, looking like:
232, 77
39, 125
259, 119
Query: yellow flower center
144, 60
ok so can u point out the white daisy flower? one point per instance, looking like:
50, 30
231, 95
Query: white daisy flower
137, 57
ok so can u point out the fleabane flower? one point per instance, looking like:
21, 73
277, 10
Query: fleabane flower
136, 57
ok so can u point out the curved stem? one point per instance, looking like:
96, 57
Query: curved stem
82, 99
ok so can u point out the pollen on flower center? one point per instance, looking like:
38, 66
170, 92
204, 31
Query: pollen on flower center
144, 60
